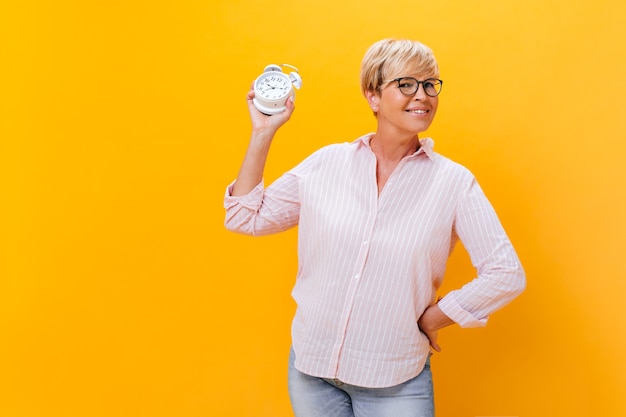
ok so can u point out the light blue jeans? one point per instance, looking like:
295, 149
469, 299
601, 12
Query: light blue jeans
320, 397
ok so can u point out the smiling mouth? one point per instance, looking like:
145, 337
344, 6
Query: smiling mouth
419, 111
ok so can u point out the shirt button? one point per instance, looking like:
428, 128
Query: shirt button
356, 276
365, 242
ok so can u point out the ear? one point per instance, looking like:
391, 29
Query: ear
373, 99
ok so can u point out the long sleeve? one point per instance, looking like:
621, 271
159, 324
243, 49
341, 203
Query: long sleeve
262, 212
274, 209
500, 278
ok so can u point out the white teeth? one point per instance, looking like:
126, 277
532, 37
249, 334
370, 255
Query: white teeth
418, 111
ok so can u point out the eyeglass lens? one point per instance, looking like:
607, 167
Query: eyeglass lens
409, 86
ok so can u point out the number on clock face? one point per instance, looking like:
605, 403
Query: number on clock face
273, 87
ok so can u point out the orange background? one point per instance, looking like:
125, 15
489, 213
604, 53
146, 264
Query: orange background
121, 123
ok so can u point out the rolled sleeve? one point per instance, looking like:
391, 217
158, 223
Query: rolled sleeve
264, 211
462, 317
251, 201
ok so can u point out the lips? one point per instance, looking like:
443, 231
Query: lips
417, 111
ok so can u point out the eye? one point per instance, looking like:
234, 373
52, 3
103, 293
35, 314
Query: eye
406, 84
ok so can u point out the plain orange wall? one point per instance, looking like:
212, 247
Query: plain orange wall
121, 123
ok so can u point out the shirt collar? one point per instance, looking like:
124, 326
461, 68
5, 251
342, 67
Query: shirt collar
426, 145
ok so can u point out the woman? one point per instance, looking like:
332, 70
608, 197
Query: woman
378, 218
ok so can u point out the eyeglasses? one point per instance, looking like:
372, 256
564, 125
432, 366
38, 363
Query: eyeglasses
409, 86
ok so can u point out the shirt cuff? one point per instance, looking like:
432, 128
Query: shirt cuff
252, 200
453, 309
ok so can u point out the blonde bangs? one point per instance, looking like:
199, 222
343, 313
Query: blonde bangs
391, 58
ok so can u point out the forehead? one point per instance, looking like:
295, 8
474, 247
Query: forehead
415, 70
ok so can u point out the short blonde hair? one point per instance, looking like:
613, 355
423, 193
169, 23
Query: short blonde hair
391, 58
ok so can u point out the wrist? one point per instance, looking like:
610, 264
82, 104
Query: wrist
433, 319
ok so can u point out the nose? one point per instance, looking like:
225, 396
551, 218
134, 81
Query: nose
420, 94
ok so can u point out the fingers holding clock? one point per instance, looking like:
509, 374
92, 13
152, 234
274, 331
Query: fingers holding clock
289, 105
261, 121
249, 98
277, 120
250, 94
285, 115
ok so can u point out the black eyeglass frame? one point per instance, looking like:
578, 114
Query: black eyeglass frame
418, 85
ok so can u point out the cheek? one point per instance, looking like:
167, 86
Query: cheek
435, 106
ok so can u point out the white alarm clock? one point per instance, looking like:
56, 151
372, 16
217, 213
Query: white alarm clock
273, 87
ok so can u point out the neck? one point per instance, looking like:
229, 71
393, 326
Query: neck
393, 148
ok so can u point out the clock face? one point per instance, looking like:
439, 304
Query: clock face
273, 86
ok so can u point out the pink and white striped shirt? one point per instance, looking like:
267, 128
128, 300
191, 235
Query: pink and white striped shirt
370, 264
